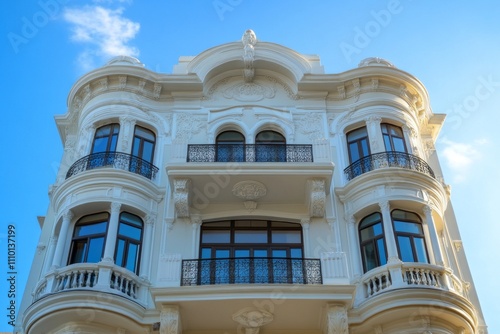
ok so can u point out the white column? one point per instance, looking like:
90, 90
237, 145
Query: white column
375, 134
390, 240
305, 227
109, 249
127, 124
334, 228
147, 241
61, 240
354, 246
407, 138
195, 223
50, 253
433, 236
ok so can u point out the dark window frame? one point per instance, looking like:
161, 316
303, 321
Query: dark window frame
142, 140
385, 128
128, 240
113, 127
89, 237
230, 150
372, 241
358, 143
410, 235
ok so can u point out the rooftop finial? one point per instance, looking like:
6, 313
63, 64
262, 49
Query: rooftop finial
249, 40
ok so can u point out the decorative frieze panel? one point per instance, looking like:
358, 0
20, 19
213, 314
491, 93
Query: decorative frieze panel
252, 320
170, 320
337, 322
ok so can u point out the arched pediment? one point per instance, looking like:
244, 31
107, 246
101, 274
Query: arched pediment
262, 55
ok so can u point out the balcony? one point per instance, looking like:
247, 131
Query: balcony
387, 160
249, 153
93, 277
117, 160
251, 271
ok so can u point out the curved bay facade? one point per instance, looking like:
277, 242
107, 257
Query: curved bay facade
249, 191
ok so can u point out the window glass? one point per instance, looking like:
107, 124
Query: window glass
120, 250
105, 138
407, 227
372, 242
405, 250
409, 236
89, 236
78, 252
270, 137
132, 257
130, 231
96, 249
242, 236
128, 244
143, 144
393, 138
230, 137
210, 236
90, 229
420, 250
283, 237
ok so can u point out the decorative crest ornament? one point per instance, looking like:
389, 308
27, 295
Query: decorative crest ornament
249, 40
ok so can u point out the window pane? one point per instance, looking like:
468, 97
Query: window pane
90, 229
357, 134
279, 252
282, 237
222, 253
250, 236
250, 223
130, 231
296, 253
369, 256
404, 215
131, 219
354, 152
387, 143
78, 252
95, 250
364, 147
420, 250
120, 249
230, 136
399, 145
371, 232
100, 145
242, 253
132, 254
381, 252
407, 227
206, 253
260, 253
147, 151
374, 217
269, 136
218, 224
405, 249
136, 146
216, 237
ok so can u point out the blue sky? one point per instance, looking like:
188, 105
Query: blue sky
452, 47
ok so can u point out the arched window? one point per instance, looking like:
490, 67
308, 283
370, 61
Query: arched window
105, 138
393, 138
143, 149
89, 238
409, 236
358, 145
230, 147
128, 242
270, 146
144, 144
251, 251
371, 236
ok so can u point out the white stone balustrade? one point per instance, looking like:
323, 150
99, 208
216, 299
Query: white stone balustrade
99, 277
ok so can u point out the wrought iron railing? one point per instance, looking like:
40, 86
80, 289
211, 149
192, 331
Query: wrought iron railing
116, 160
251, 271
249, 153
387, 159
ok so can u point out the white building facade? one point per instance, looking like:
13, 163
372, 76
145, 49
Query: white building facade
249, 192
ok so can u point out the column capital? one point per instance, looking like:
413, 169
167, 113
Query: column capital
67, 215
427, 209
384, 205
150, 220
115, 207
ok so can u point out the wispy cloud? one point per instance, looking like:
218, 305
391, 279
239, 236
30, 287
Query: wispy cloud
105, 32
461, 157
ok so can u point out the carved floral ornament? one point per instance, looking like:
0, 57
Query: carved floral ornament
249, 190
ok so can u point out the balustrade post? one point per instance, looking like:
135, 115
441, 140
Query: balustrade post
61, 239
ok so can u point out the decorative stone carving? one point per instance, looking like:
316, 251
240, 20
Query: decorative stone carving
341, 90
40, 247
142, 83
252, 319
375, 61
249, 92
104, 83
122, 82
249, 190
187, 125
317, 197
181, 197
249, 40
157, 91
311, 125
374, 84
337, 320
169, 320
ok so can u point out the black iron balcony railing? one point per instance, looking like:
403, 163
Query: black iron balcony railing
249, 153
116, 160
251, 271
387, 159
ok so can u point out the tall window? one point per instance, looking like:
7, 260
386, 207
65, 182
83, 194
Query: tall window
371, 236
393, 138
143, 149
270, 147
409, 236
358, 145
89, 238
230, 147
260, 252
128, 242
105, 138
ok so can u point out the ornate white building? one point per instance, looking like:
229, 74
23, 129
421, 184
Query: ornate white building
249, 192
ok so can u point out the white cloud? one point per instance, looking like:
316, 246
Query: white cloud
105, 31
461, 157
